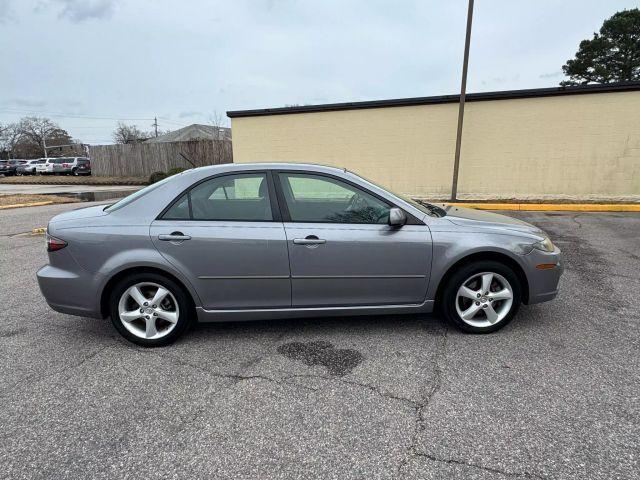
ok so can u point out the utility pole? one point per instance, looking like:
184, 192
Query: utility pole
463, 92
155, 124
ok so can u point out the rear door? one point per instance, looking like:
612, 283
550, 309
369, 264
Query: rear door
226, 236
342, 251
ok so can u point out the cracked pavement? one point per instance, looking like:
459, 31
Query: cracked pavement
554, 395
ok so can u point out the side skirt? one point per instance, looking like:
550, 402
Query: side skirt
206, 316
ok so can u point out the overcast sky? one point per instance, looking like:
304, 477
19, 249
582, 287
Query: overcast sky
185, 60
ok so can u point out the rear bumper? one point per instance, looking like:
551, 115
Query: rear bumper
69, 292
543, 283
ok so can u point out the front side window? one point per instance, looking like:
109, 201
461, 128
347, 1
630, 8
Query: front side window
320, 199
242, 197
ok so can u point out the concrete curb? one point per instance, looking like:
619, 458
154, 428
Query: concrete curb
557, 207
21, 205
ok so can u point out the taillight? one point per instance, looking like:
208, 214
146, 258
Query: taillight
54, 244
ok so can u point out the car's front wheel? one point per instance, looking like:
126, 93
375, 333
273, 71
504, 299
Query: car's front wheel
149, 309
481, 297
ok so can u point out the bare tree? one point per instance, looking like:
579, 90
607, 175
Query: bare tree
221, 137
28, 137
36, 132
9, 136
129, 134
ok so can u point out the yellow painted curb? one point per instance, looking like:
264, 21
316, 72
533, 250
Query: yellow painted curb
567, 207
20, 205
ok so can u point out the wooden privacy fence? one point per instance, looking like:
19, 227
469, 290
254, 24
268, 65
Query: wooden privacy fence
142, 159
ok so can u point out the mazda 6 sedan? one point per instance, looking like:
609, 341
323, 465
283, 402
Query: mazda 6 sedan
256, 241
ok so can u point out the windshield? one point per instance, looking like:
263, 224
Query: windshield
423, 206
136, 195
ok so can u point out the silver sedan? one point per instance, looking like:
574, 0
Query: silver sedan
255, 241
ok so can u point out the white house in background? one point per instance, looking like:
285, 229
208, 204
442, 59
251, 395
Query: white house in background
193, 132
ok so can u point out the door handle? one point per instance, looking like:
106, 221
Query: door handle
309, 240
173, 237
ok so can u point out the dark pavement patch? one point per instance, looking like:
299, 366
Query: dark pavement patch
337, 361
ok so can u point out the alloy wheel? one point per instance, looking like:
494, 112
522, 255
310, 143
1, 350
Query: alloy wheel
148, 310
484, 299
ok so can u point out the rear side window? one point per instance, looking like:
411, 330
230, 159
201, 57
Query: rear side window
136, 195
179, 210
241, 197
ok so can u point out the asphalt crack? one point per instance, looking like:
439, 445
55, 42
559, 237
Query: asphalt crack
420, 408
366, 386
453, 461
436, 385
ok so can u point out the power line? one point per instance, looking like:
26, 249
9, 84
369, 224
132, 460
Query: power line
168, 120
71, 115
89, 117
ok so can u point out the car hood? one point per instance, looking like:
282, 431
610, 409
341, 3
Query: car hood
468, 217
80, 213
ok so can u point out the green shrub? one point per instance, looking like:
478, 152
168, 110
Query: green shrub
175, 171
156, 177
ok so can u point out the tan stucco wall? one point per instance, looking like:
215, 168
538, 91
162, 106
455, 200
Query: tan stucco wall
574, 147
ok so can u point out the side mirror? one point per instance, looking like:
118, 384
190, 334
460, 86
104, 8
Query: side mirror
397, 217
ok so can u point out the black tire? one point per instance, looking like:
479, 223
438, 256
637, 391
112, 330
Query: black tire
185, 317
448, 300
74, 172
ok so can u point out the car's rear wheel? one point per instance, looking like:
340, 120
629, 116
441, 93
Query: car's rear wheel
481, 297
149, 309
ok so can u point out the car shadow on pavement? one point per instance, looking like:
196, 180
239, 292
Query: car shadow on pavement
316, 328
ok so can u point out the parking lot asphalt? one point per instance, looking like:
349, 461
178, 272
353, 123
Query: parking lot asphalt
553, 395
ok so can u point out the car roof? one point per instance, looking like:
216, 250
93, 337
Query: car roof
237, 167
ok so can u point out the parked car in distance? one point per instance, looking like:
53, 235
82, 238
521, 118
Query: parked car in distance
255, 241
28, 167
82, 166
68, 165
50, 166
60, 165
9, 167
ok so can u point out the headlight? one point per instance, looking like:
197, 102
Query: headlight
545, 245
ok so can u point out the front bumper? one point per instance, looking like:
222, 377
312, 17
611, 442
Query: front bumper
70, 292
543, 283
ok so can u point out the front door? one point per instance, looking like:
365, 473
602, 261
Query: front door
223, 235
342, 252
